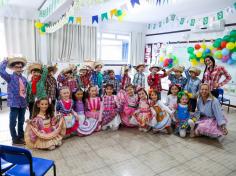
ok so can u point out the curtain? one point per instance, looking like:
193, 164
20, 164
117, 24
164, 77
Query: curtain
20, 38
72, 43
137, 48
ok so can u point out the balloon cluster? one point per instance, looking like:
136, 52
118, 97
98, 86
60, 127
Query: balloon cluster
41, 27
225, 48
198, 53
167, 59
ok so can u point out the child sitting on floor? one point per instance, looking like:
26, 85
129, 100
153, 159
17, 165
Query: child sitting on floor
44, 130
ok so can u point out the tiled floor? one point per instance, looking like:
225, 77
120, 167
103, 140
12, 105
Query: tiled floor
129, 152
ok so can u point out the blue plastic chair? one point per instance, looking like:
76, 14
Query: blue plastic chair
25, 164
5, 166
2, 94
222, 99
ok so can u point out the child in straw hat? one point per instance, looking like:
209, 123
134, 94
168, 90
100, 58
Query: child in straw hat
97, 77
177, 77
67, 78
84, 77
51, 84
154, 78
36, 87
16, 100
139, 78
192, 86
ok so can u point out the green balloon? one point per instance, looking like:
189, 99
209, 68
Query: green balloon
190, 50
226, 38
233, 33
232, 39
217, 43
192, 56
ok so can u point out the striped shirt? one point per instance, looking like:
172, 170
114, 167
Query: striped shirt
139, 80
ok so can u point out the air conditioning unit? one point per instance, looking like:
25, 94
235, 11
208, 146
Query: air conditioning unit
215, 26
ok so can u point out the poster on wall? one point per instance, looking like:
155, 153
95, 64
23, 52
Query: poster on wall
148, 53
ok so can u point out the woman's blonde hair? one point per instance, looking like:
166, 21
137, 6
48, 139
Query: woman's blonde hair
206, 84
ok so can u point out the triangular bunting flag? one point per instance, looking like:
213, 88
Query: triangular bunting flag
220, 15
120, 18
172, 17
133, 2
205, 21
71, 19
119, 13
78, 20
181, 22
104, 16
95, 19
113, 12
192, 22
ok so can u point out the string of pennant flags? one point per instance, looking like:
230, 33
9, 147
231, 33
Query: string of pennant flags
70, 18
202, 21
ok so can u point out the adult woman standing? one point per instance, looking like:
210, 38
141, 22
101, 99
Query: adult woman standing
212, 122
212, 75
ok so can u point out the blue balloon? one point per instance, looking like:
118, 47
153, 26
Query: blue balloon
207, 51
233, 56
225, 52
230, 62
170, 61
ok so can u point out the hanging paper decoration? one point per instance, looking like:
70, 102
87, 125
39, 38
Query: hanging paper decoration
220, 15
205, 21
192, 22
78, 20
94, 19
71, 20
113, 12
120, 18
119, 13
133, 2
181, 21
104, 16
172, 17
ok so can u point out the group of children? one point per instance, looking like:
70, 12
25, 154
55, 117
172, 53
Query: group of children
87, 102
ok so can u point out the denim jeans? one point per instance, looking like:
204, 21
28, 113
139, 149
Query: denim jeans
17, 114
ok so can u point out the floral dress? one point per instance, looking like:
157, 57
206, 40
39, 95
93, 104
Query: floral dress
43, 133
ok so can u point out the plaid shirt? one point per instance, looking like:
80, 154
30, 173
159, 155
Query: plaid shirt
51, 87
192, 85
115, 83
126, 80
71, 83
154, 81
97, 79
212, 76
109, 102
139, 80
13, 98
181, 81
84, 81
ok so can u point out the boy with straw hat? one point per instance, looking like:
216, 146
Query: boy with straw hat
192, 85
16, 100
139, 77
177, 77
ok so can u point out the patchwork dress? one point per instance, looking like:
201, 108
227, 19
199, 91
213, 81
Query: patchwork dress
87, 125
129, 106
110, 116
66, 109
42, 133
161, 116
143, 115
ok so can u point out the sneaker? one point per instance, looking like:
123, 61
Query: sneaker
18, 142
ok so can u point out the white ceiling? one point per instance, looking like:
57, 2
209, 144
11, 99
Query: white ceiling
143, 13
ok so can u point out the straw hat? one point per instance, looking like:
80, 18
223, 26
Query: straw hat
84, 67
137, 66
52, 68
96, 64
155, 66
15, 59
196, 70
179, 68
66, 70
34, 66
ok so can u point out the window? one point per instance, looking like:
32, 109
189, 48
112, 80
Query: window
113, 47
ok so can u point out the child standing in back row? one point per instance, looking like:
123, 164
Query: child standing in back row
97, 77
177, 77
139, 80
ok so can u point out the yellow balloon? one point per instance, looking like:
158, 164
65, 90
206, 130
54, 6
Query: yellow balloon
194, 63
230, 45
38, 25
203, 46
161, 59
202, 60
199, 54
211, 47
